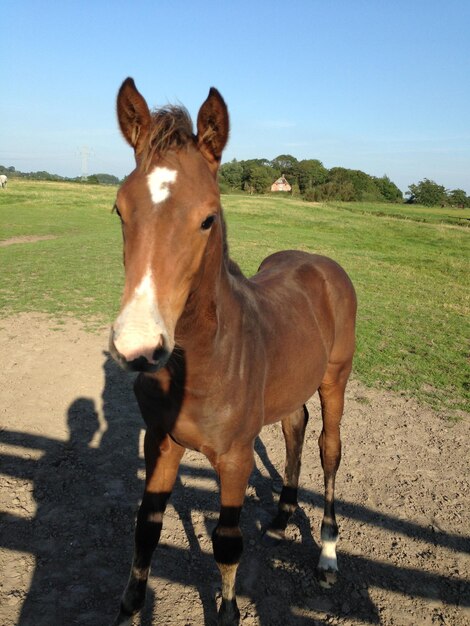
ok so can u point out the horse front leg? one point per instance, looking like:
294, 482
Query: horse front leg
227, 541
162, 459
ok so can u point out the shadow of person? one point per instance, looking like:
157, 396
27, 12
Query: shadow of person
63, 481
86, 491
119, 444
121, 486
83, 423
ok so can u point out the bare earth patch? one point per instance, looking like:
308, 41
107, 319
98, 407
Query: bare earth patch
72, 475
25, 239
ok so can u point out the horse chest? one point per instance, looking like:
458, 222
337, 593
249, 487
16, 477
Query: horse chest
211, 424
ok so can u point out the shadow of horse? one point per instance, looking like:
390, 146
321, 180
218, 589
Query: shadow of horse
82, 533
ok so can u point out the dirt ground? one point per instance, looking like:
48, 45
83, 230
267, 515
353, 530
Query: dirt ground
71, 478
24, 239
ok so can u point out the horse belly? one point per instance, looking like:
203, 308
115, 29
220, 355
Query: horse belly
294, 374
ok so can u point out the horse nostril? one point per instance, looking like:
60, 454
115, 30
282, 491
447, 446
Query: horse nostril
159, 353
115, 354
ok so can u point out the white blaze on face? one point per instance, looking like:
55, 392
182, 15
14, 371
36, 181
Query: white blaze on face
159, 183
139, 328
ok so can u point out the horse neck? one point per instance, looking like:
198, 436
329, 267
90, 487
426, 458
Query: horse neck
212, 302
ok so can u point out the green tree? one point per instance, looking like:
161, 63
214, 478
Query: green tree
10, 170
458, 198
287, 165
107, 179
331, 191
427, 192
388, 190
310, 173
362, 183
92, 180
258, 178
232, 173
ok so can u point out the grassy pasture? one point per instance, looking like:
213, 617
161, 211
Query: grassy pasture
411, 274
434, 215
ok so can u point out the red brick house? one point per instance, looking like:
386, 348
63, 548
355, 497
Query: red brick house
281, 184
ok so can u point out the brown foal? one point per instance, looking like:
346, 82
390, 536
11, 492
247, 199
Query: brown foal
220, 355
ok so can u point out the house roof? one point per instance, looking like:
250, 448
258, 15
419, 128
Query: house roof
282, 180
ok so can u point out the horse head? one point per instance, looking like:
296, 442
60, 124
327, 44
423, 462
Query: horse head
170, 213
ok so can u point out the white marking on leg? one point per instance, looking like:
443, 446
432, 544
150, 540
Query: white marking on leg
159, 183
328, 560
155, 518
228, 573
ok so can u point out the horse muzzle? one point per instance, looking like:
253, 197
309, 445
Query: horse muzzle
148, 357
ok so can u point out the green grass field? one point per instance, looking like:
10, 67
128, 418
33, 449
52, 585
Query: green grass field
411, 274
434, 215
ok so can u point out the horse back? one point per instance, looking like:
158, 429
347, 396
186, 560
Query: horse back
293, 277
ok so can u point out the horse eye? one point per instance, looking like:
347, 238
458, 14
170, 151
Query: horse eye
207, 223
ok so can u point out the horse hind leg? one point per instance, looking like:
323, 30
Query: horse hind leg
293, 428
331, 393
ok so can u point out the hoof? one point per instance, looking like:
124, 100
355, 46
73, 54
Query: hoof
327, 577
229, 615
131, 603
134, 597
273, 537
123, 619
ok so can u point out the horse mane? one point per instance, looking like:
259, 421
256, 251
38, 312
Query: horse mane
232, 266
171, 128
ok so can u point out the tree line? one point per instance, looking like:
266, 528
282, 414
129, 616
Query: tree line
314, 182
93, 179
429, 193
308, 178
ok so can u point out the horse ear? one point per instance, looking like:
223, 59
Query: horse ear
133, 115
213, 128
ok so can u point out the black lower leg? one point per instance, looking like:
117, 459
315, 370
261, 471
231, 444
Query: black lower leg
293, 428
329, 527
227, 543
286, 507
147, 535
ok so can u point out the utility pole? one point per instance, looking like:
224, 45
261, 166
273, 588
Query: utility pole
85, 153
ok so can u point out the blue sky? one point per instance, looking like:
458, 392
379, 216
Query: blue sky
367, 84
